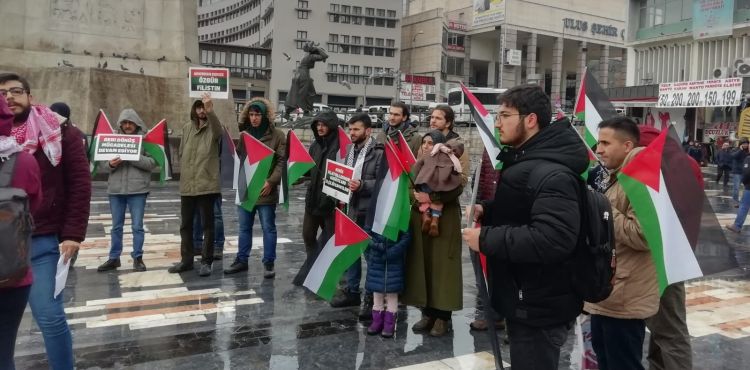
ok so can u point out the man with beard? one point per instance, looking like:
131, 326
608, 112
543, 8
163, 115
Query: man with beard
398, 120
61, 220
199, 182
319, 207
365, 155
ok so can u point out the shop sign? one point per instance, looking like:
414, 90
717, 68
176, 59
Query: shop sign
707, 93
457, 26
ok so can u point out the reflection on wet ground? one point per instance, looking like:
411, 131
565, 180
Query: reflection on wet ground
155, 320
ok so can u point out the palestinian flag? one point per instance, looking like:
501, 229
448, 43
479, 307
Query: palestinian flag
156, 144
665, 195
486, 126
344, 142
256, 160
299, 162
592, 106
101, 126
392, 205
229, 161
346, 245
404, 153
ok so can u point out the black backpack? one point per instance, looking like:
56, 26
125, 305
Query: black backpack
594, 260
15, 227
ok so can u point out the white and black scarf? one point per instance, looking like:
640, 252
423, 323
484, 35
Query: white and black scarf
360, 162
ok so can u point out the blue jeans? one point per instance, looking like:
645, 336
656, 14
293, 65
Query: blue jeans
267, 215
354, 276
742, 211
136, 203
218, 227
48, 311
736, 184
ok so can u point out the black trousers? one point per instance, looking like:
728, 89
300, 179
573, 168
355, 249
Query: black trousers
536, 348
12, 303
618, 343
723, 172
205, 206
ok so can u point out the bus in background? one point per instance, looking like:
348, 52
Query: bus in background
458, 102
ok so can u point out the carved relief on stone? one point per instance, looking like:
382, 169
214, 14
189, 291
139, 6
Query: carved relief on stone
98, 17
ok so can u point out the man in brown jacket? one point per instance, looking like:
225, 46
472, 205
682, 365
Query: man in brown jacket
618, 323
257, 120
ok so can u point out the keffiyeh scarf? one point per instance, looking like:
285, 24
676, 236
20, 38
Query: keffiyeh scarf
41, 130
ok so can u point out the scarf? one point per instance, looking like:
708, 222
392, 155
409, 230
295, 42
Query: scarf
8, 146
360, 163
42, 130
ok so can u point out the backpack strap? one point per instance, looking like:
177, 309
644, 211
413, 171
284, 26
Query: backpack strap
7, 168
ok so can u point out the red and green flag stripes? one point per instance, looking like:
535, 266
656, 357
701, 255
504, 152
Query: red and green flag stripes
667, 200
346, 245
229, 161
156, 144
404, 153
592, 106
101, 126
392, 207
299, 162
255, 164
486, 126
344, 141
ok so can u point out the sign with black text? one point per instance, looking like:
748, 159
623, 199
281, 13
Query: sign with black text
336, 180
111, 146
725, 92
209, 80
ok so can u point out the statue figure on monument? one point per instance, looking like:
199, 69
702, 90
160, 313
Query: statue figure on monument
302, 92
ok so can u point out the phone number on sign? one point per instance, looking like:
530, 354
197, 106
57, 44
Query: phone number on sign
699, 99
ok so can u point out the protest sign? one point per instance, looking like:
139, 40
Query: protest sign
111, 146
336, 180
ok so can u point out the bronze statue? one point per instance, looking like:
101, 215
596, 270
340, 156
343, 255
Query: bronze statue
302, 92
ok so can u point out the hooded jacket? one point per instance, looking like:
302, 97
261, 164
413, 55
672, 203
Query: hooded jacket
317, 203
272, 138
531, 230
131, 177
199, 155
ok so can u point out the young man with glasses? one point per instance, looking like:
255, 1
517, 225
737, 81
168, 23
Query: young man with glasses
61, 221
531, 227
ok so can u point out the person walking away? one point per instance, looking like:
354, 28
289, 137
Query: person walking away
738, 160
723, 164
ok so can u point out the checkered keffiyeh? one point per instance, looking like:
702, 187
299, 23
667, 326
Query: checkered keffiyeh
42, 129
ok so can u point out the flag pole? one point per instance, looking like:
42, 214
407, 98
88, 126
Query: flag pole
484, 292
389, 143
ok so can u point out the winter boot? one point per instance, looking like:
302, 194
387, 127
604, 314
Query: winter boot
389, 324
377, 323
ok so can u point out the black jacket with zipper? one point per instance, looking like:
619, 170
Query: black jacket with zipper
530, 230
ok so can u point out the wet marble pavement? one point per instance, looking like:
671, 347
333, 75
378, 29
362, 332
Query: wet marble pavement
156, 320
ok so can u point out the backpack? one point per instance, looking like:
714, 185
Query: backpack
594, 261
16, 227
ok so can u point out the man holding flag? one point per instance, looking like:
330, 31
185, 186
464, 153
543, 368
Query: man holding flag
530, 229
257, 120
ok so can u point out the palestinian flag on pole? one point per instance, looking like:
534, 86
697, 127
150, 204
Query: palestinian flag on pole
486, 126
229, 161
299, 162
665, 195
392, 205
592, 106
101, 126
346, 245
344, 142
156, 144
404, 153
256, 160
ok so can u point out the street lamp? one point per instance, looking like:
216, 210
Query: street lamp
411, 73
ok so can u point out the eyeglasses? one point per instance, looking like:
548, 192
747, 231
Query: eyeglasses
14, 91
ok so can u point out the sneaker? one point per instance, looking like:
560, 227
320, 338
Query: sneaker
346, 299
269, 273
205, 270
111, 264
180, 267
236, 267
138, 264
731, 227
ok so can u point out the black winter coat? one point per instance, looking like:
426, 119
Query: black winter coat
360, 200
385, 263
317, 203
531, 230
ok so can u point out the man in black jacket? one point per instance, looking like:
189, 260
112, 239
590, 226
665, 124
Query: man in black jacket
530, 229
365, 154
319, 207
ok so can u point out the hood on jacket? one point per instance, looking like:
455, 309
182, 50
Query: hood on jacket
129, 114
556, 142
196, 104
6, 118
331, 120
270, 112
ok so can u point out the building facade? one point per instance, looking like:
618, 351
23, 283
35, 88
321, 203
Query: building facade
362, 40
686, 41
505, 43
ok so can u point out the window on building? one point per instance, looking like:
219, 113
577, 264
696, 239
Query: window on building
345, 9
390, 53
344, 68
344, 49
355, 70
204, 57
302, 35
391, 43
357, 10
335, 8
355, 50
368, 41
380, 22
333, 18
302, 4
332, 37
379, 52
369, 21
302, 14
367, 50
368, 70
391, 24
344, 19
370, 11
454, 66
381, 12
333, 48
388, 81
333, 67
333, 78
379, 42
391, 14
357, 20
356, 40
300, 44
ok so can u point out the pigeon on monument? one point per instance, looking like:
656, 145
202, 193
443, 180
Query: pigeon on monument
188, 60
104, 65
101, 55
67, 64
99, 65
163, 58
286, 56
123, 68
65, 51
86, 52
141, 70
